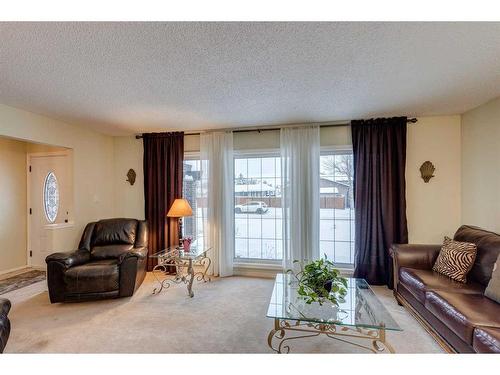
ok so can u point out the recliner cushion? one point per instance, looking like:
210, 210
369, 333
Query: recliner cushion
114, 232
417, 282
463, 312
93, 277
110, 251
486, 340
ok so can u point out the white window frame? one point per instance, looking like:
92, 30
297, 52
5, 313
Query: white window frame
336, 150
272, 264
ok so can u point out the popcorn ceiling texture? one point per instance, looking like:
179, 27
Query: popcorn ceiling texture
121, 78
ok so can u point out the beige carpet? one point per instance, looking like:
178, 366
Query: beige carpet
225, 316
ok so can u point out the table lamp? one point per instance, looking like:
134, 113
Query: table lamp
179, 209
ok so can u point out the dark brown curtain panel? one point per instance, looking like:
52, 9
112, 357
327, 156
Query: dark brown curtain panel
163, 161
379, 148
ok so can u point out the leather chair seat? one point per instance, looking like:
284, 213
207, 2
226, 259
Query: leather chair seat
418, 282
486, 340
93, 277
461, 312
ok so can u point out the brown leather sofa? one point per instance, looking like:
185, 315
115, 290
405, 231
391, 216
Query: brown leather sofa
110, 262
458, 315
4, 323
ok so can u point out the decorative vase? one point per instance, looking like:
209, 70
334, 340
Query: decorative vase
186, 245
328, 286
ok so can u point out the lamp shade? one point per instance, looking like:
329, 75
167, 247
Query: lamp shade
180, 208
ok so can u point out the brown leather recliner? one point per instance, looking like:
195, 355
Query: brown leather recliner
4, 323
458, 315
110, 262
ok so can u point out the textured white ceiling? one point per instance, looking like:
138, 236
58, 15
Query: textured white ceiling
121, 78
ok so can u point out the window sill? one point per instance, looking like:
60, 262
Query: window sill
258, 265
69, 224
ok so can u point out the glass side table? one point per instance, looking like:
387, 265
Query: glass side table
184, 263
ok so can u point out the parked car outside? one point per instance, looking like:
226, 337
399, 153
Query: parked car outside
251, 208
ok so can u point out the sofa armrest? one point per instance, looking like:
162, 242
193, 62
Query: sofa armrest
137, 252
69, 259
413, 256
4, 306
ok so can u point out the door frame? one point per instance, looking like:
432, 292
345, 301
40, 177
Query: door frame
29, 156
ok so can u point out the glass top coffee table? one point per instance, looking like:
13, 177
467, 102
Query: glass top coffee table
180, 263
361, 317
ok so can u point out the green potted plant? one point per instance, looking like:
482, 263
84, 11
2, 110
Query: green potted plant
320, 281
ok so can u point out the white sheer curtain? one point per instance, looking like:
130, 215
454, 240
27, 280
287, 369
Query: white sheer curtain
300, 153
217, 169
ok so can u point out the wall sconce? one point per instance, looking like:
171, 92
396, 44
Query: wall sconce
131, 176
426, 170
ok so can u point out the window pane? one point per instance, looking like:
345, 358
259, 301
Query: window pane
254, 248
191, 191
337, 207
257, 207
268, 229
241, 248
254, 228
254, 167
240, 227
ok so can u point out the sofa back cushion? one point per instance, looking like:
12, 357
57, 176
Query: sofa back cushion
488, 249
114, 232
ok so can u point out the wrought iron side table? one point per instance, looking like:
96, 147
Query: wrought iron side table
184, 263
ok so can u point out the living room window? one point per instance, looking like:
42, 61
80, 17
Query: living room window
337, 206
257, 207
192, 192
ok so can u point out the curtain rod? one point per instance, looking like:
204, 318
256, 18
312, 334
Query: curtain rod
278, 127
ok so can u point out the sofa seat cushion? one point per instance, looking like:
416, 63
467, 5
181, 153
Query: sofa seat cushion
417, 282
93, 277
486, 340
462, 312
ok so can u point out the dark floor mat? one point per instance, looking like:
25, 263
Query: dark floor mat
20, 281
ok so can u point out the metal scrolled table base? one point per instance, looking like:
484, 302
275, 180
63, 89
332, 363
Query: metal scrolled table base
179, 276
344, 334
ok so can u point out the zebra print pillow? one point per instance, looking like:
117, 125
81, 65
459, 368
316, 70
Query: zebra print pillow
455, 259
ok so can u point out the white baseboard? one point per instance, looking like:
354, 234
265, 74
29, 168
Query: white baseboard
13, 270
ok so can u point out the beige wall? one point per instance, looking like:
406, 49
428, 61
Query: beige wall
12, 204
92, 166
128, 199
481, 166
433, 208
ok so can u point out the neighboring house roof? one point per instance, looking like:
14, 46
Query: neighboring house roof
331, 181
253, 188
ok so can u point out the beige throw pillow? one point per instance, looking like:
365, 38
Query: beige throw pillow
493, 289
455, 259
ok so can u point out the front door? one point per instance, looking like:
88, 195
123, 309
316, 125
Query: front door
48, 203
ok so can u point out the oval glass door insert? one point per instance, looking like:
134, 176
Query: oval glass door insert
51, 197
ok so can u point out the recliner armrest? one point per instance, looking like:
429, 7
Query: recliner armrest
4, 306
69, 259
137, 252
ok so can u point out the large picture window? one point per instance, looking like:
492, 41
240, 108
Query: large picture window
337, 207
258, 215
257, 206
